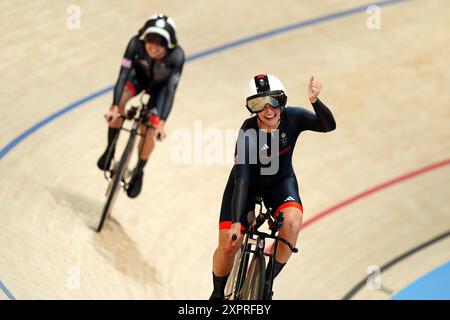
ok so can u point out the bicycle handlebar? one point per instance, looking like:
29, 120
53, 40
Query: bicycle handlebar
130, 115
274, 225
293, 249
266, 235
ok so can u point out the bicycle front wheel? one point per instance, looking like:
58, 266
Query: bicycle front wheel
117, 179
231, 288
253, 288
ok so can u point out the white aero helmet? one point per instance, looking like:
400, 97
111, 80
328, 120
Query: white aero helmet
263, 89
162, 25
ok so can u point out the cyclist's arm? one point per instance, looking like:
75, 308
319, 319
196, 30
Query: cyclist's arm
239, 199
127, 64
322, 120
242, 170
167, 93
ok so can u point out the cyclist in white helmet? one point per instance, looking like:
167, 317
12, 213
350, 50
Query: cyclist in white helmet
153, 61
263, 168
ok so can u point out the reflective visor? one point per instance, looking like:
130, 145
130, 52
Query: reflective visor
257, 103
155, 38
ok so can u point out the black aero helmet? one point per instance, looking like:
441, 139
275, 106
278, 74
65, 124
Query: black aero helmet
161, 25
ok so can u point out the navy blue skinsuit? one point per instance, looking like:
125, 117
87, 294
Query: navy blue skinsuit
159, 77
278, 187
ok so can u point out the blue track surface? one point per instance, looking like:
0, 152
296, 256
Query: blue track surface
435, 285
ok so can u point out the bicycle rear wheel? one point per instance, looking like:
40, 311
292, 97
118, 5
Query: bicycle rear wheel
117, 179
253, 288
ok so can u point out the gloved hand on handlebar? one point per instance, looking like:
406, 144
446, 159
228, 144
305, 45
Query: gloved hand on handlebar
112, 115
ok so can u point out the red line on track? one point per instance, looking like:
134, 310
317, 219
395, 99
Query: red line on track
375, 189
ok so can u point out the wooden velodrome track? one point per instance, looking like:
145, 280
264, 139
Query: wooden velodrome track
389, 92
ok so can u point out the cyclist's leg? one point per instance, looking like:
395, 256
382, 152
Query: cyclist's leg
146, 143
223, 257
285, 197
145, 149
291, 227
223, 260
114, 128
226, 250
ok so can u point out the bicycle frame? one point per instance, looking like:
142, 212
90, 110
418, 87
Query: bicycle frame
253, 237
137, 121
119, 177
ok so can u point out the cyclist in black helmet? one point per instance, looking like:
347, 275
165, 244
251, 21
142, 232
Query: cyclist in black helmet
263, 167
153, 61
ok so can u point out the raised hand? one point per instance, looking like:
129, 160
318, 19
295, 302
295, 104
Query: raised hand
314, 88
